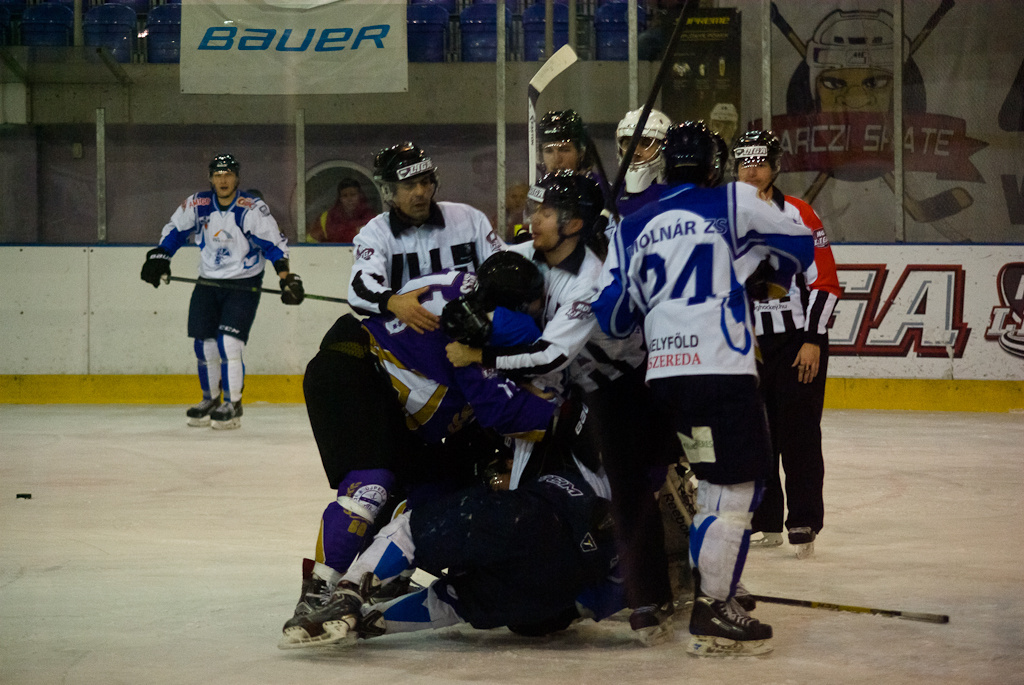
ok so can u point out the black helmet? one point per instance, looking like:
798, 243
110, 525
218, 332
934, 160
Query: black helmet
224, 163
509, 280
401, 162
754, 147
576, 194
690, 154
559, 127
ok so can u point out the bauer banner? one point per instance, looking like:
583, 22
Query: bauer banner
291, 48
929, 311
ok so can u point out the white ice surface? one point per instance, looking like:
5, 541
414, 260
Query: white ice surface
154, 553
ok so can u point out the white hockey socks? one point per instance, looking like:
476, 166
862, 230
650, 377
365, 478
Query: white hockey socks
720, 535
232, 369
208, 366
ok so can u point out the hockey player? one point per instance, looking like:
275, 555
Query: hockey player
517, 558
565, 143
382, 431
237, 236
792, 333
645, 176
684, 261
418, 236
611, 419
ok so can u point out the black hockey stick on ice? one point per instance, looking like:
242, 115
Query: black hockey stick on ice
563, 58
659, 80
892, 613
249, 289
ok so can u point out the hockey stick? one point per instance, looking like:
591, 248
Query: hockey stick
563, 58
659, 80
242, 288
909, 615
941, 206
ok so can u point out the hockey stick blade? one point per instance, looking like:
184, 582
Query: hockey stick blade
231, 286
892, 613
563, 58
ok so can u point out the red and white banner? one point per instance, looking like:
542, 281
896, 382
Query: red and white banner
929, 312
247, 47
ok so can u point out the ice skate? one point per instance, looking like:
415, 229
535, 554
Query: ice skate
720, 628
652, 624
744, 598
199, 415
318, 582
333, 623
763, 540
227, 416
802, 540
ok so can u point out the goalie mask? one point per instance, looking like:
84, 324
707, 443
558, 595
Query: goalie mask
401, 162
648, 164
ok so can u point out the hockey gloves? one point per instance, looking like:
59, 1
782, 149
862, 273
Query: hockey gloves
292, 291
464, 320
157, 266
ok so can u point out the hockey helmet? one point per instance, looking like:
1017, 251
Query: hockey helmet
755, 147
721, 157
856, 39
224, 162
640, 175
690, 153
574, 195
509, 280
565, 126
401, 162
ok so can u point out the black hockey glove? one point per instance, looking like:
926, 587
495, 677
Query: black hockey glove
157, 266
464, 320
292, 291
759, 282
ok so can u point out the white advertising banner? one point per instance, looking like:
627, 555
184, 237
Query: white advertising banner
929, 311
250, 47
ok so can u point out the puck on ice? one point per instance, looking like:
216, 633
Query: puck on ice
23, 495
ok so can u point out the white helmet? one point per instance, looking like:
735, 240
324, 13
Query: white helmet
640, 175
858, 38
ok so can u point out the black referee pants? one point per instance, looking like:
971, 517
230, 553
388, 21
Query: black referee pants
794, 419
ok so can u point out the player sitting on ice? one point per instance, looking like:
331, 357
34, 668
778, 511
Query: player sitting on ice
517, 558
402, 398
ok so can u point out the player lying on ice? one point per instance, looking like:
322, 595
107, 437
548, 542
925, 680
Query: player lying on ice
551, 539
387, 406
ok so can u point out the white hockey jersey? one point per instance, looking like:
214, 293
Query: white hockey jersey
389, 252
233, 243
684, 261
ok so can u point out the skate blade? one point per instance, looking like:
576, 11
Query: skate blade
766, 542
655, 635
335, 633
226, 425
200, 422
804, 550
709, 645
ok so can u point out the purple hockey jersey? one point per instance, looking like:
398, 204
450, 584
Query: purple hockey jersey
440, 399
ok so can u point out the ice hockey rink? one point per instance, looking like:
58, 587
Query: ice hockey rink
154, 553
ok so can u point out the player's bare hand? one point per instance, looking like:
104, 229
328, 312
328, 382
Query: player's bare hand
534, 390
409, 311
463, 355
806, 362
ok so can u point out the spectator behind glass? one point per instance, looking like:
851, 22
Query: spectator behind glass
347, 215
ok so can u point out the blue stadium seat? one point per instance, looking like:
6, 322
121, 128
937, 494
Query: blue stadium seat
611, 30
534, 30
46, 24
427, 25
163, 26
451, 5
70, 4
111, 26
141, 7
13, 7
480, 32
